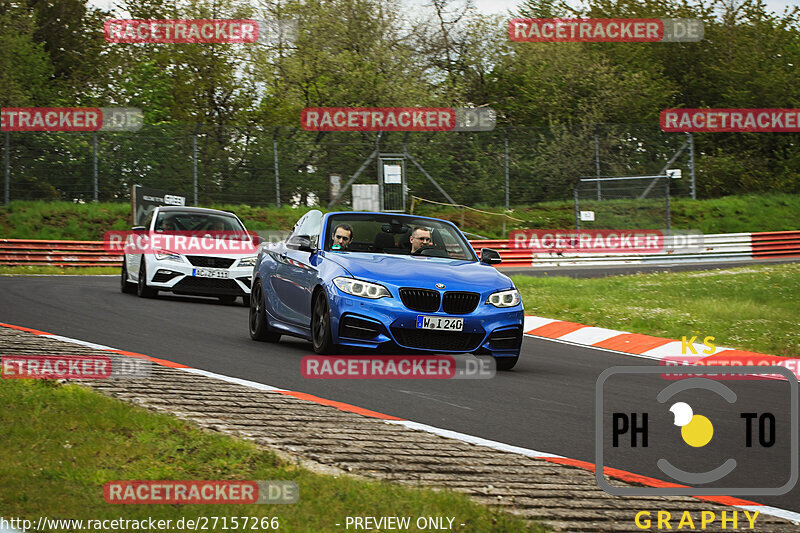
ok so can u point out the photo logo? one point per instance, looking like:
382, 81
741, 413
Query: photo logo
730, 120
200, 492
166, 243
566, 30
601, 241
397, 119
398, 367
706, 436
132, 31
71, 119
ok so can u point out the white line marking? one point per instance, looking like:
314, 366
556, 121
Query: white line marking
236, 381
80, 342
473, 439
773, 511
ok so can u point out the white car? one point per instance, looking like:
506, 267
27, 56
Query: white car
206, 262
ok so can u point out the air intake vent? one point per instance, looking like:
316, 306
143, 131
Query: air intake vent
506, 339
460, 303
358, 328
424, 300
210, 262
437, 340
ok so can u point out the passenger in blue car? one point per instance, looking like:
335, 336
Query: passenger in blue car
342, 237
420, 238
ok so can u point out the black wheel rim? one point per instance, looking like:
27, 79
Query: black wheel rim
320, 320
255, 308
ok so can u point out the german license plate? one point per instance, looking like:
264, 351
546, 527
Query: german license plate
210, 273
440, 323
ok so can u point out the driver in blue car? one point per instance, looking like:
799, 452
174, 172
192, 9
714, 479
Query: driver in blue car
342, 237
420, 238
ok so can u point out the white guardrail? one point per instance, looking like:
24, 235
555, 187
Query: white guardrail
680, 248
677, 249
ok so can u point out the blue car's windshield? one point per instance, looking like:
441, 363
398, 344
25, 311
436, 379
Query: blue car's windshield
396, 234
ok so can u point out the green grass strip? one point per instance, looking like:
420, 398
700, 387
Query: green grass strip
730, 214
54, 270
62, 443
753, 308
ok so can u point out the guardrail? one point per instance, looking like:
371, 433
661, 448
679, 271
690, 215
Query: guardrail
713, 247
28, 252
716, 247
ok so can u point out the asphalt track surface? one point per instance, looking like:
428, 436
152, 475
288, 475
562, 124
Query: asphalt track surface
546, 403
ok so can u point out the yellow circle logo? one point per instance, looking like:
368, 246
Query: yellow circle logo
696, 430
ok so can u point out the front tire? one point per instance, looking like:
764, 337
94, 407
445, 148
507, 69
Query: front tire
506, 363
142, 289
259, 328
321, 325
126, 286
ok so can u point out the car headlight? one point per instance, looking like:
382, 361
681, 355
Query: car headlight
365, 289
166, 255
248, 261
508, 298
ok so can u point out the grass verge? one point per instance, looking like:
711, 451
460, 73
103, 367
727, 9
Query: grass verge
730, 214
53, 270
62, 443
751, 308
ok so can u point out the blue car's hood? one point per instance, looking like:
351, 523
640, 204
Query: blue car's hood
425, 272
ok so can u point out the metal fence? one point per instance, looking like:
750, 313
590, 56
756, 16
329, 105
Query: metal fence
225, 165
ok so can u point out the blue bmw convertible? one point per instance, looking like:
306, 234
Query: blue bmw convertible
385, 280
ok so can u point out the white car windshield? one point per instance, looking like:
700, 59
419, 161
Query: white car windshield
396, 234
188, 221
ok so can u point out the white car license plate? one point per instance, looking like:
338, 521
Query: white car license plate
440, 323
210, 273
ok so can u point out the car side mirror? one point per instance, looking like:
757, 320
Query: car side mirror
258, 240
302, 243
490, 257
138, 229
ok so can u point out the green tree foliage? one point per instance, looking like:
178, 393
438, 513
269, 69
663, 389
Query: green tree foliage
556, 100
25, 68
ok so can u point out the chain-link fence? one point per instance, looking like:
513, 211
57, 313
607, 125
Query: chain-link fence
225, 165
630, 202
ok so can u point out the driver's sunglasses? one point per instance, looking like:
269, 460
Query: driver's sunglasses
424, 239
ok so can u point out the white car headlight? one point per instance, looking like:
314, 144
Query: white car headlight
510, 298
166, 255
248, 261
365, 289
